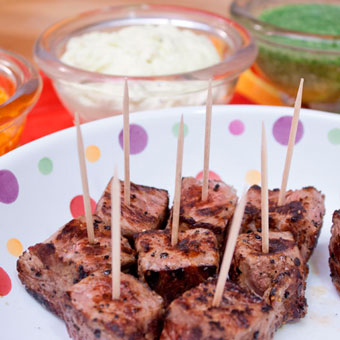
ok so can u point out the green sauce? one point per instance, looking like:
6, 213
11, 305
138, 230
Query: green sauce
284, 65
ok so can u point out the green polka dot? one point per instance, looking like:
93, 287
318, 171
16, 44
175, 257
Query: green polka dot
334, 136
45, 166
175, 129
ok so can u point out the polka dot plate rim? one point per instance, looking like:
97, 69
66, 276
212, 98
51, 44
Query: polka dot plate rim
46, 180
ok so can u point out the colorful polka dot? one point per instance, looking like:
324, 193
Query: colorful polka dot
334, 136
281, 130
92, 153
236, 127
138, 139
5, 283
14, 247
175, 129
212, 175
253, 177
45, 166
9, 187
77, 206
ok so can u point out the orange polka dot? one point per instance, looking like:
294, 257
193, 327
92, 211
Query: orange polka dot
92, 153
14, 247
253, 177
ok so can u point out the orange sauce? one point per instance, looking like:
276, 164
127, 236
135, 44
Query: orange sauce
10, 128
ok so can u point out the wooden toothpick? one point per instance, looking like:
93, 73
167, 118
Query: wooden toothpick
115, 235
126, 136
207, 144
291, 143
178, 182
84, 181
264, 194
229, 250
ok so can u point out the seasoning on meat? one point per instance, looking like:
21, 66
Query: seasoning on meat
171, 270
91, 313
48, 269
302, 215
213, 214
277, 276
240, 316
148, 209
334, 250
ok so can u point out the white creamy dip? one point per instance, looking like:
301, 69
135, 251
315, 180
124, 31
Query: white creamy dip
138, 51
141, 51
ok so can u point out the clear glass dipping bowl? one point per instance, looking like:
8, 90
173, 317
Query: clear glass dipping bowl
286, 56
20, 87
95, 95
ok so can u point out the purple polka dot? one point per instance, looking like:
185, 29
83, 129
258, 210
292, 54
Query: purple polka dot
281, 130
9, 187
138, 139
236, 127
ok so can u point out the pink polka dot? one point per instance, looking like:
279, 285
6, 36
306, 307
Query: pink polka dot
9, 187
138, 139
212, 175
281, 130
5, 283
236, 127
77, 206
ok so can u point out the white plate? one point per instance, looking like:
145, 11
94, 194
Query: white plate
43, 201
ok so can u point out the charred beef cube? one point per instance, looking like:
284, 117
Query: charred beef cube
213, 214
92, 314
48, 269
171, 270
302, 215
148, 209
240, 316
334, 250
278, 276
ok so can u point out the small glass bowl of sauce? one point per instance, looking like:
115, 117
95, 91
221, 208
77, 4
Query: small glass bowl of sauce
20, 87
296, 39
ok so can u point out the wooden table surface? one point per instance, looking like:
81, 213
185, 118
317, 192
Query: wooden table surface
21, 21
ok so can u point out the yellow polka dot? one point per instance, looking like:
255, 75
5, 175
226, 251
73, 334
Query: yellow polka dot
253, 177
14, 247
92, 153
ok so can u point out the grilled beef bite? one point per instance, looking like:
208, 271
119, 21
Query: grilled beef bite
148, 209
240, 316
334, 250
278, 276
48, 269
213, 214
92, 314
171, 270
301, 214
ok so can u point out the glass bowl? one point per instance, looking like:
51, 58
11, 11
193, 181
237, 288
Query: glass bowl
95, 95
20, 87
286, 56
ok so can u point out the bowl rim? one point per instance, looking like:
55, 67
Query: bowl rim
245, 55
265, 30
32, 82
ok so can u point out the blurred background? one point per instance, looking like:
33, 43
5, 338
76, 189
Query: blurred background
21, 21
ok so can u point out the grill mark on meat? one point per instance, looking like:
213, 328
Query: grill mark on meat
334, 250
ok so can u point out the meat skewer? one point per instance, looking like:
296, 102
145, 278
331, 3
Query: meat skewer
84, 181
126, 137
291, 143
178, 176
50, 268
264, 194
334, 250
115, 236
229, 251
207, 144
